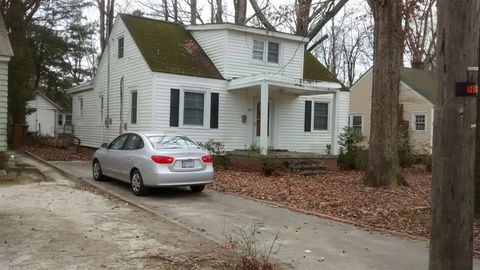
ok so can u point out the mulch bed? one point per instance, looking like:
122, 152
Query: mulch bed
65, 153
342, 195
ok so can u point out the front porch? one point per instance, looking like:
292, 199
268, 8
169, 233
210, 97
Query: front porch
283, 112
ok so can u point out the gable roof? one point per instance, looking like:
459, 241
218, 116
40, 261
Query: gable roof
169, 47
43, 95
316, 71
422, 81
5, 46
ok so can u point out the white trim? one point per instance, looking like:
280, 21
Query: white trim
5, 58
414, 122
101, 108
246, 29
329, 116
350, 120
304, 87
81, 87
206, 107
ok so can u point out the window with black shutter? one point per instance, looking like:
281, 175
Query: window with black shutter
214, 110
174, 107
308, 115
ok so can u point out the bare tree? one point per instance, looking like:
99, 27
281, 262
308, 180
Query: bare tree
193, 12
453, 157
219, 12
106, 10
420, 32
383, 164
240, 11
310, 17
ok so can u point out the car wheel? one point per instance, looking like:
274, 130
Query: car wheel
97, 171
136, 183
197, 188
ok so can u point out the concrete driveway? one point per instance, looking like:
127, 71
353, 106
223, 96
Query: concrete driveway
306, 242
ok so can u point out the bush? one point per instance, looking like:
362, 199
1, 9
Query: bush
406, 151
268, 167
215, 148
352, 155
3, 160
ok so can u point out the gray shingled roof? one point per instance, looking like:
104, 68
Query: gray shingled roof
5, 47
422, 81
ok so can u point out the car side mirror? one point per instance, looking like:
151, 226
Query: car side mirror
104, 145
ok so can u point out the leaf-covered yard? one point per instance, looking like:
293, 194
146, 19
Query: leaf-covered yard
341, 195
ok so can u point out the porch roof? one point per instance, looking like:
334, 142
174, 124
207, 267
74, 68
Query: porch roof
297, 86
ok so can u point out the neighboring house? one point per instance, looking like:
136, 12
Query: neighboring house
417, 97
5, 53
44, 117
238, 85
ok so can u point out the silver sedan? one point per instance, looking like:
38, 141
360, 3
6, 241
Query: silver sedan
154, 160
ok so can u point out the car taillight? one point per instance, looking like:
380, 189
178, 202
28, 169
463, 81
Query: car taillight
162, 159
207, 159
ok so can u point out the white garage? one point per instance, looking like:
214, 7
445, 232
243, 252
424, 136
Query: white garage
43, 118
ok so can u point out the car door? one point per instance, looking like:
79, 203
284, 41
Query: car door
132, 151
113, 153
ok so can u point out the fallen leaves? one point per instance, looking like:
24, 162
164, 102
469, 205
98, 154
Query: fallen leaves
65, 154
341, 194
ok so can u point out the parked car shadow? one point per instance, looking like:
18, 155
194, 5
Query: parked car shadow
158, 192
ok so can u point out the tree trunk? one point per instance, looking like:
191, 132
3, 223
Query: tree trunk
383, 166
303, 17
477, 147
453, 140
101, 11
193, 12
20, 65
165, 10
240, 11
261, 16
219, 13
175, 10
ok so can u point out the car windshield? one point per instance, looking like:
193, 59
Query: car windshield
172, 142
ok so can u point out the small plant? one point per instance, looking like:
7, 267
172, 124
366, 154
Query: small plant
3, 160
246, 244
352, 154
215, 148
268, 167
253, 149
328, 150
406, 151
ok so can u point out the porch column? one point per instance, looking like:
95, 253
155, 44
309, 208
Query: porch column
335, 123
263, 118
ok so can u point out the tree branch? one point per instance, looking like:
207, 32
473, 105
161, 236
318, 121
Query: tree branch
261, 16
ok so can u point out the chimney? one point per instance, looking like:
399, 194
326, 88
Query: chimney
416, 64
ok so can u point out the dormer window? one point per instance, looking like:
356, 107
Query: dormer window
120, 47
266, 51
258, 49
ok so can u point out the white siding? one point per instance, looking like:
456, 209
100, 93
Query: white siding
137, 76
43, 120
214, 44
3, 104
232, 105
239, 62
290, 115
231, 52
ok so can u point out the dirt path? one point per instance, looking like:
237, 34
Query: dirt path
57, 224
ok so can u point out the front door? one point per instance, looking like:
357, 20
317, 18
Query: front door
256, 131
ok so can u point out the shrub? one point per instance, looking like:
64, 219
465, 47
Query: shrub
3, 160
253, 149
268, 167
215, 148
352, 155
407, 155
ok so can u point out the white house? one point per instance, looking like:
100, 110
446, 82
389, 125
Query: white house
44, 117
417, 97
5, 53
238, 85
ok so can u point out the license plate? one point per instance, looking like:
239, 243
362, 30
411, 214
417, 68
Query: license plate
188, 164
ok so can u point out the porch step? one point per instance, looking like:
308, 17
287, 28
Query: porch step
306, 166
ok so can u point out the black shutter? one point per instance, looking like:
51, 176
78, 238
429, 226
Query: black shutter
174, 107
214, 110
308, 115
